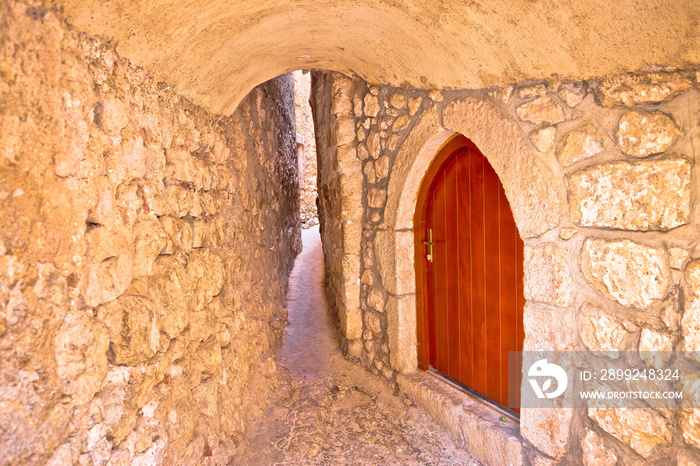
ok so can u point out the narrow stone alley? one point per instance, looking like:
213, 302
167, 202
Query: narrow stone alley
329, 410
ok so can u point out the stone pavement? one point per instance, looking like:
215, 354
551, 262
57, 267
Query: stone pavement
329, 410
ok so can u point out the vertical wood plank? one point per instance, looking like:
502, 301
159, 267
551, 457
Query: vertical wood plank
466, 372
492, 291
440, 265
451, 248
478, 272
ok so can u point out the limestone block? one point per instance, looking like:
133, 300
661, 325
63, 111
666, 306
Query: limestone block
572, 93
567, 233
651, 340
202, 324
640, 196
599, 331
398, 101
371, 105
547, 275
548, 329
692, 278
107, 280
395, 255
180, 233
375, 299
136, 157
543, 138
502, 94
376, 198
541, 110
382, 167
631, 90
640, 428
112, 116
369, 171
354, 350
348, 164
209, 356
595, 452
168, 287
104, 243
690, 425
401, 323
351, 267
201, 231
342, 103
80, 351
401, 123
644, 134
353, 322
362, 152
549, 430
372, 322
677, 257
436, 96
529, 92
134, 335
631, 273
153, 198
579, 144
374, 145
205, 277
181, 164
690, 323
150, 239
179, 198
344, 130
414, 104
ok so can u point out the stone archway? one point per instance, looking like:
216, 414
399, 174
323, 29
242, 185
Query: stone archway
535, 194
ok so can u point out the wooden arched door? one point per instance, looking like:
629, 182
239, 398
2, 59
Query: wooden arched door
469, 259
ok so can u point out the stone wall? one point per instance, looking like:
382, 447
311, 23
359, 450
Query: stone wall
306, 143
340, 204
145, 246
603, 183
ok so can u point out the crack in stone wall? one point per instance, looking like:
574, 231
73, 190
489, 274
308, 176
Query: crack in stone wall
610, 235
145, 246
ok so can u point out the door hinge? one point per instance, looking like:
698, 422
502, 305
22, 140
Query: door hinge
430, 244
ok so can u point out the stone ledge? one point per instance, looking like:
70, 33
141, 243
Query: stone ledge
471, 423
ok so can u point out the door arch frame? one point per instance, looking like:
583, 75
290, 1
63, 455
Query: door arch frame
536, 193
443, 157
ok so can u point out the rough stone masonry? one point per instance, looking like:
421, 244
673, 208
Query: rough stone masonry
145, 246
602, 180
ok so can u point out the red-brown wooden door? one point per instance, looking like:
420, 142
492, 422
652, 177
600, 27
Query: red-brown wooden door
474, 296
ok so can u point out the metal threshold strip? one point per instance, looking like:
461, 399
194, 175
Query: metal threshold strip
488, 402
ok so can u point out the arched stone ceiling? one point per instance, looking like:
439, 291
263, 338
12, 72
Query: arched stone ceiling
215, 51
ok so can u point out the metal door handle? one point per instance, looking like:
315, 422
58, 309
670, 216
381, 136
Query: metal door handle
430, 244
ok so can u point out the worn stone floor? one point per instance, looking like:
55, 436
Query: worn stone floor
329, 410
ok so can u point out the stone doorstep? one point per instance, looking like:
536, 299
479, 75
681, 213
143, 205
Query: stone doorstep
472, 424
